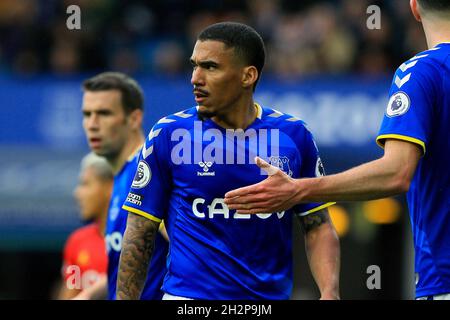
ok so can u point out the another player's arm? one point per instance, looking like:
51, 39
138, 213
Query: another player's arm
137, 250
323, 252
387, 176
390, 175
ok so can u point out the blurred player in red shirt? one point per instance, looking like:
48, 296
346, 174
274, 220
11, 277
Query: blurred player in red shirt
85, 261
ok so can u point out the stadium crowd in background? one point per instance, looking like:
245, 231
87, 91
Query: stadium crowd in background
303, 37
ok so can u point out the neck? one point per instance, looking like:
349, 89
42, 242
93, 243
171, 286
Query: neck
134, 142
437, 30
239, 116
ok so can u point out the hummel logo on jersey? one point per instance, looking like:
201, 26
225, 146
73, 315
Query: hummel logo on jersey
206, 166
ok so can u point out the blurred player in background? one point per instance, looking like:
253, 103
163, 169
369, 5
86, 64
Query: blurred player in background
216, 254
112, 120
85, 260
416, 140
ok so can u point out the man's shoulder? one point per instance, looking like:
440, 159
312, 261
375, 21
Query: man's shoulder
425, 70
131, 164
283, 121
176, 120
162, 130
124, 178
428, 62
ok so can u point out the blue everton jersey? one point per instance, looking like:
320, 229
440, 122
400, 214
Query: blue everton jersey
419, 112
185, 169
115, 229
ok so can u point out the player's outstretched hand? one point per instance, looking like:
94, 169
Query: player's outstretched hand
273, 194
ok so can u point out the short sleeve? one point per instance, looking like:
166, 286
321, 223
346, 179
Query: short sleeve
150, 191
409, 112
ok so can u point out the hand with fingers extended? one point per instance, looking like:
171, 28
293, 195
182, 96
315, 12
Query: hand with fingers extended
274, 194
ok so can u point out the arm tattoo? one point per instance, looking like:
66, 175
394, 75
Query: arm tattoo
313, 220
137, 250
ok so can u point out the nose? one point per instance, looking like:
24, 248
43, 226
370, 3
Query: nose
91, 122
197, 77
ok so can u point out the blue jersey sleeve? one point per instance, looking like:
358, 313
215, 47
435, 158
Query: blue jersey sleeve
311, 166
149, 193
409, 111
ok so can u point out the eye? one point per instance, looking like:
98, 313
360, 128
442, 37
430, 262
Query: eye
105, 112
210, 66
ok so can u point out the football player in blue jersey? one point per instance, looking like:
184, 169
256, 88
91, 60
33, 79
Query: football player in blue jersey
192, 158
112, 120
415, 136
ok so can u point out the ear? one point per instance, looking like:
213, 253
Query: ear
249, 76
135, 119
415, 9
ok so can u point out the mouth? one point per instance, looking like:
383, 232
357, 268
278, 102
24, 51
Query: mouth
200, 95
95, 142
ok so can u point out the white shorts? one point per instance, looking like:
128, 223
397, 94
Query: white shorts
445, 296
168, 296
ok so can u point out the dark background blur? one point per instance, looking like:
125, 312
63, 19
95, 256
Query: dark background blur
323, 65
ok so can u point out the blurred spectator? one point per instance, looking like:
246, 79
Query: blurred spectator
26, 62
64, 57
265, 14
168, 58
125, 60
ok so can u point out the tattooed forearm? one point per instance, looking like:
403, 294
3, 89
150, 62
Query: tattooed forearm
314, 220
137, 249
